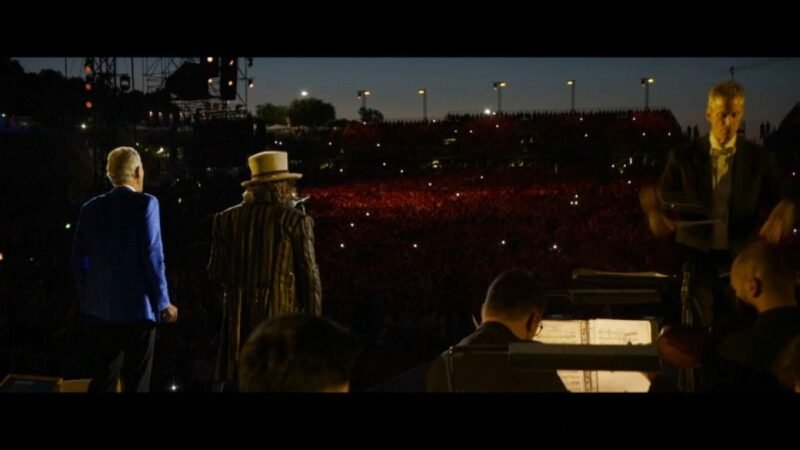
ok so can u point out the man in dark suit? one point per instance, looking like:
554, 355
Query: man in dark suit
262, 253
118, 263
719, 183
512, 312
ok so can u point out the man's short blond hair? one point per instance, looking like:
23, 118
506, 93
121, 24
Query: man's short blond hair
122, 162
726, 90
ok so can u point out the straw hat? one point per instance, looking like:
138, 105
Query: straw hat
269, 166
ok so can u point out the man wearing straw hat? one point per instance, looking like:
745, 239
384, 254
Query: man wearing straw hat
262, 253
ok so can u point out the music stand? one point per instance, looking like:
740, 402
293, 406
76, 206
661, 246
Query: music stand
535, 356
487, 367
608, 296
608, 299
648, 278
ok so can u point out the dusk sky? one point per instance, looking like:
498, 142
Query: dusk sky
465, 84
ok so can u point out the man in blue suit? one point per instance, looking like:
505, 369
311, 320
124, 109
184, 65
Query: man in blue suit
118, 263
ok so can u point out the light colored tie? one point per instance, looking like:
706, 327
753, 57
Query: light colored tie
722, 158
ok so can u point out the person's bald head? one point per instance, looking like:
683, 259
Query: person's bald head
762, 269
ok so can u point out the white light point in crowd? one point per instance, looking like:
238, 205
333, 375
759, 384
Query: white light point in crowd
401, 171
174, 388
341, 245
352, 225
384, 164
430, 184
68, 226
180, 200
378, 145
341, 170
415, 245
1, 256
555, 246
367, 214
481, 177
503, 242
458, 194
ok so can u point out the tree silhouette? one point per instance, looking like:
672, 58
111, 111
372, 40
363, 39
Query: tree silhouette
369, 115
311, 112
272, 114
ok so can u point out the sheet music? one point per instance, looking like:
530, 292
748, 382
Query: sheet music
565, 332
620, 332
609, 381
600, 332
560, 332
573, 380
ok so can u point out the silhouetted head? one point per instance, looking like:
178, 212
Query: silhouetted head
515, 299
297, 353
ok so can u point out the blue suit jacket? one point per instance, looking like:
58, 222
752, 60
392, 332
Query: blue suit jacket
118, 258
